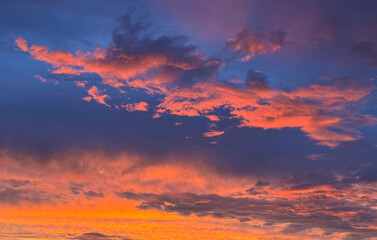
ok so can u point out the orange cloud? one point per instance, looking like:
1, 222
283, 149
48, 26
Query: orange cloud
314, 109
81, 83
213, 133
213, 118
320, 111
140, 106
96, 95
65, 196
115, 70
22, 44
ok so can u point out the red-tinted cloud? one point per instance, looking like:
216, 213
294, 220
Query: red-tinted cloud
96, 95
22, 44
317, 109
140, 106
213, 133
115, 68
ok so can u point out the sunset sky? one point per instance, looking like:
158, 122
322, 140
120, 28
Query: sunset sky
202, 120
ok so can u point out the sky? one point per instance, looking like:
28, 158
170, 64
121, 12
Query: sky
172, 119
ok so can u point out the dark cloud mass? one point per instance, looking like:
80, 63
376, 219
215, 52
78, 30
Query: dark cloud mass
98, 236
298, 213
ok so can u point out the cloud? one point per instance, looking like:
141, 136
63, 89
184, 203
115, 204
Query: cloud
255, 43
14, 196
314, 157
41, 78
96, 95
332, 202
93, 194
99, 236
301, 211
15, 183
314, 109
129, 60
213, 133
188, 84
76, 188
140, 106
213, 118
81, 83
22, 44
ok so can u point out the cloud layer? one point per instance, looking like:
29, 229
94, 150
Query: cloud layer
188, 84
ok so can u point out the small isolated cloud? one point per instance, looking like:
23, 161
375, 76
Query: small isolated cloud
81, 83
93, 195
313, 157
96, 95
213, 133
99, 236
139, 106
76, 188
22, 44
44, 80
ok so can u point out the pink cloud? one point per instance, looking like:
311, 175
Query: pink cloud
314, 157
81, 83
315, 109
213, 133
22, 44
320, 111
41, 78
140, 106
96, 95
115, 71
213, 118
